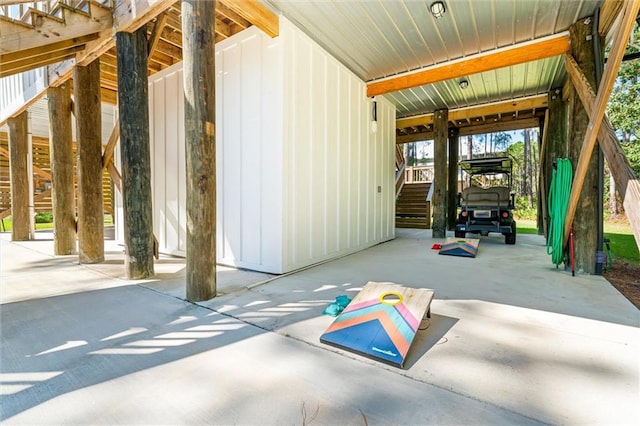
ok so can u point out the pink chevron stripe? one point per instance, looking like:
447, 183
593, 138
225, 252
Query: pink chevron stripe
408, 316
351, 307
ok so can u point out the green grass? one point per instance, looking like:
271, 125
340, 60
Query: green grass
6, 224
622, 243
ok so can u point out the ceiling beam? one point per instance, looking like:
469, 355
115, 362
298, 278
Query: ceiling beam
467, 113
500, 126
255, 13
7, 58
621, 38
541, 48
16, 67
154, 38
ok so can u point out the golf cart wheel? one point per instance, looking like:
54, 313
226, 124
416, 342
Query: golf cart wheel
460, 234
510, 238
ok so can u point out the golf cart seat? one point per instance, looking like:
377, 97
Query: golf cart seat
494, 196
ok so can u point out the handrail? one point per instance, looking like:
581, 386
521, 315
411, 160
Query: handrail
419, 174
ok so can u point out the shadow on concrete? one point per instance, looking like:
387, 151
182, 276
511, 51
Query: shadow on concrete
97, 336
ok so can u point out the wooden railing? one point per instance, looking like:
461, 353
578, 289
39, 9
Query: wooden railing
416, 174
18, 9
401, 165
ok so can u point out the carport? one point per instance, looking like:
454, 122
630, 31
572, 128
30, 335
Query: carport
536, 346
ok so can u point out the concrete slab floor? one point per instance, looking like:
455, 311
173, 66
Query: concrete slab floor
511, 340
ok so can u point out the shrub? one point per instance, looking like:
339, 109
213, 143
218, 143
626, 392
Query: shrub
44, 217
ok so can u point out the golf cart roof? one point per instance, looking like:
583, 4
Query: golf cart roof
486, 165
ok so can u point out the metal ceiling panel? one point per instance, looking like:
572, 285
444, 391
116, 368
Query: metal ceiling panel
381, 38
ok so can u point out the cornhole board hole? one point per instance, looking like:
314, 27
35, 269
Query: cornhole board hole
381, 321
466, 247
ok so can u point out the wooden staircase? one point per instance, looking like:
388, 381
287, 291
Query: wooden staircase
45, 32
412, 208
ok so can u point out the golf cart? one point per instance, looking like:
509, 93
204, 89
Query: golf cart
485, 206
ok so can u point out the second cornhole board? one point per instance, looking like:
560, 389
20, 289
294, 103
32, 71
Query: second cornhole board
381, 321
466, 247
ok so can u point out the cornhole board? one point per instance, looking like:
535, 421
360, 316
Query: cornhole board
381, 321
466, 247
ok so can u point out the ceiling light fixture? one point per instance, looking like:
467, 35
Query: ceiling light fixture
437, 9
464, 83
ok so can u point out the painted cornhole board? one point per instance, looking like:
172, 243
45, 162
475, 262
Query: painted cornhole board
381, 321
466, 247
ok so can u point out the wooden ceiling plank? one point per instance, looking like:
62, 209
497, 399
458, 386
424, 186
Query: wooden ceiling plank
621, 38
255, 13
223, 29
222, 9
542, 48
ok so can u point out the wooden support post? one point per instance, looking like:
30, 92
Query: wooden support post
198, 52
61, 151
584, 222
19, 172
621, 39
627, 183
542, 183
88, 113
452, 184
133, 104
439, 198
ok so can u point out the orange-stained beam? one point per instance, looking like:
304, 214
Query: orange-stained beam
541, 48
256, 13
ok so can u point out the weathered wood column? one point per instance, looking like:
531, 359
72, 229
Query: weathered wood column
19, 172
198, 53
557, 136
88, 113
585, 219
452, 184
61, 151
439, 198
133, 107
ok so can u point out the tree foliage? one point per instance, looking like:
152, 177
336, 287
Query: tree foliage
623, 108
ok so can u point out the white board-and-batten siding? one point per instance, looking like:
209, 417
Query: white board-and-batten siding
301, 178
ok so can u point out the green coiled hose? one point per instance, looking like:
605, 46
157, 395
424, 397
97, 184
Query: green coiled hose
559, 193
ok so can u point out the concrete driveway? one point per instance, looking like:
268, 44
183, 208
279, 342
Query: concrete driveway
511, 340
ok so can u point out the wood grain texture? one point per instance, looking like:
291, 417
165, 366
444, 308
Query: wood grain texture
198, 38
133, 111
61, 152
89, 139
513, 55
439, 199
18, 165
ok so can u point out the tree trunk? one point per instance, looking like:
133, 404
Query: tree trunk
198, 51
614, 208
62, 187
88, 114
452, 185
19, 172
469, 156
439, 199
135, 150
585, 219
